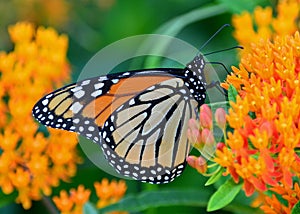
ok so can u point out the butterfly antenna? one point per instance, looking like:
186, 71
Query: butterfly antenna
219, 63
213, 36
227, 49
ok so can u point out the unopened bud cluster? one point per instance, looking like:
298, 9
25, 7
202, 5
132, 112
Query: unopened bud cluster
201, 136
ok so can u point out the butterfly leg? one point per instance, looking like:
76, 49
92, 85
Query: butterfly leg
216, 84
196, 110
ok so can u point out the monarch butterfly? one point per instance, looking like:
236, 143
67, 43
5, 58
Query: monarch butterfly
139, 118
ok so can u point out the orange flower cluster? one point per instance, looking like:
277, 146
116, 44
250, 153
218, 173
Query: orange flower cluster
31, 163
108, 193
262, 149
273, 205
267, 25
73, 203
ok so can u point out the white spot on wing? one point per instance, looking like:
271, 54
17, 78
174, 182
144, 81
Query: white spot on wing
79, 94
151, 87
76, 107
86, 82
96, 93
91, 128
45, 102
102, 78
78, 88
98, 85
81, 129
104, 134
131, 102
76, 120
183, 91
49, 95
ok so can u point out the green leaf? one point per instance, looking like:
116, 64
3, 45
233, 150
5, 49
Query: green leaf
224, 195
214, 178
7, 199
174, 26
150, 199
238, 6
296, 208
232, 93
89, 208
242, 208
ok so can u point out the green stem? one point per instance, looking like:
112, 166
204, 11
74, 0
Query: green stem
49, 205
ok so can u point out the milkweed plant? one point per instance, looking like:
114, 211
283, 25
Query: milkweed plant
33, 162
260, 149
258, 153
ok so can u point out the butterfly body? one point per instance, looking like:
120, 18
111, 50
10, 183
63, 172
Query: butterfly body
139, 118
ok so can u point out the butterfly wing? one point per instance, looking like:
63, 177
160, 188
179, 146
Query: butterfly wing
145, 138
142, 117
83, 107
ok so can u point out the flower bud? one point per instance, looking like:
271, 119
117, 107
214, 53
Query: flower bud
191, 160
207, 136
198, 163
220, 116
205, 116
193, 132
193, 124
205, 108
220, 146
193, 136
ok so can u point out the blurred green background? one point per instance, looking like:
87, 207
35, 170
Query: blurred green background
93, 24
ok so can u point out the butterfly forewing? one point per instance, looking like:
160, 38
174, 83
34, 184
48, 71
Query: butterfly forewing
83, 107
145, 138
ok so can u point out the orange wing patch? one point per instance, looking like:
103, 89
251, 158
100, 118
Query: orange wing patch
102, 107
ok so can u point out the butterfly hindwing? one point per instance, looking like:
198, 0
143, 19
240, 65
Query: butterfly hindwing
145, 138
